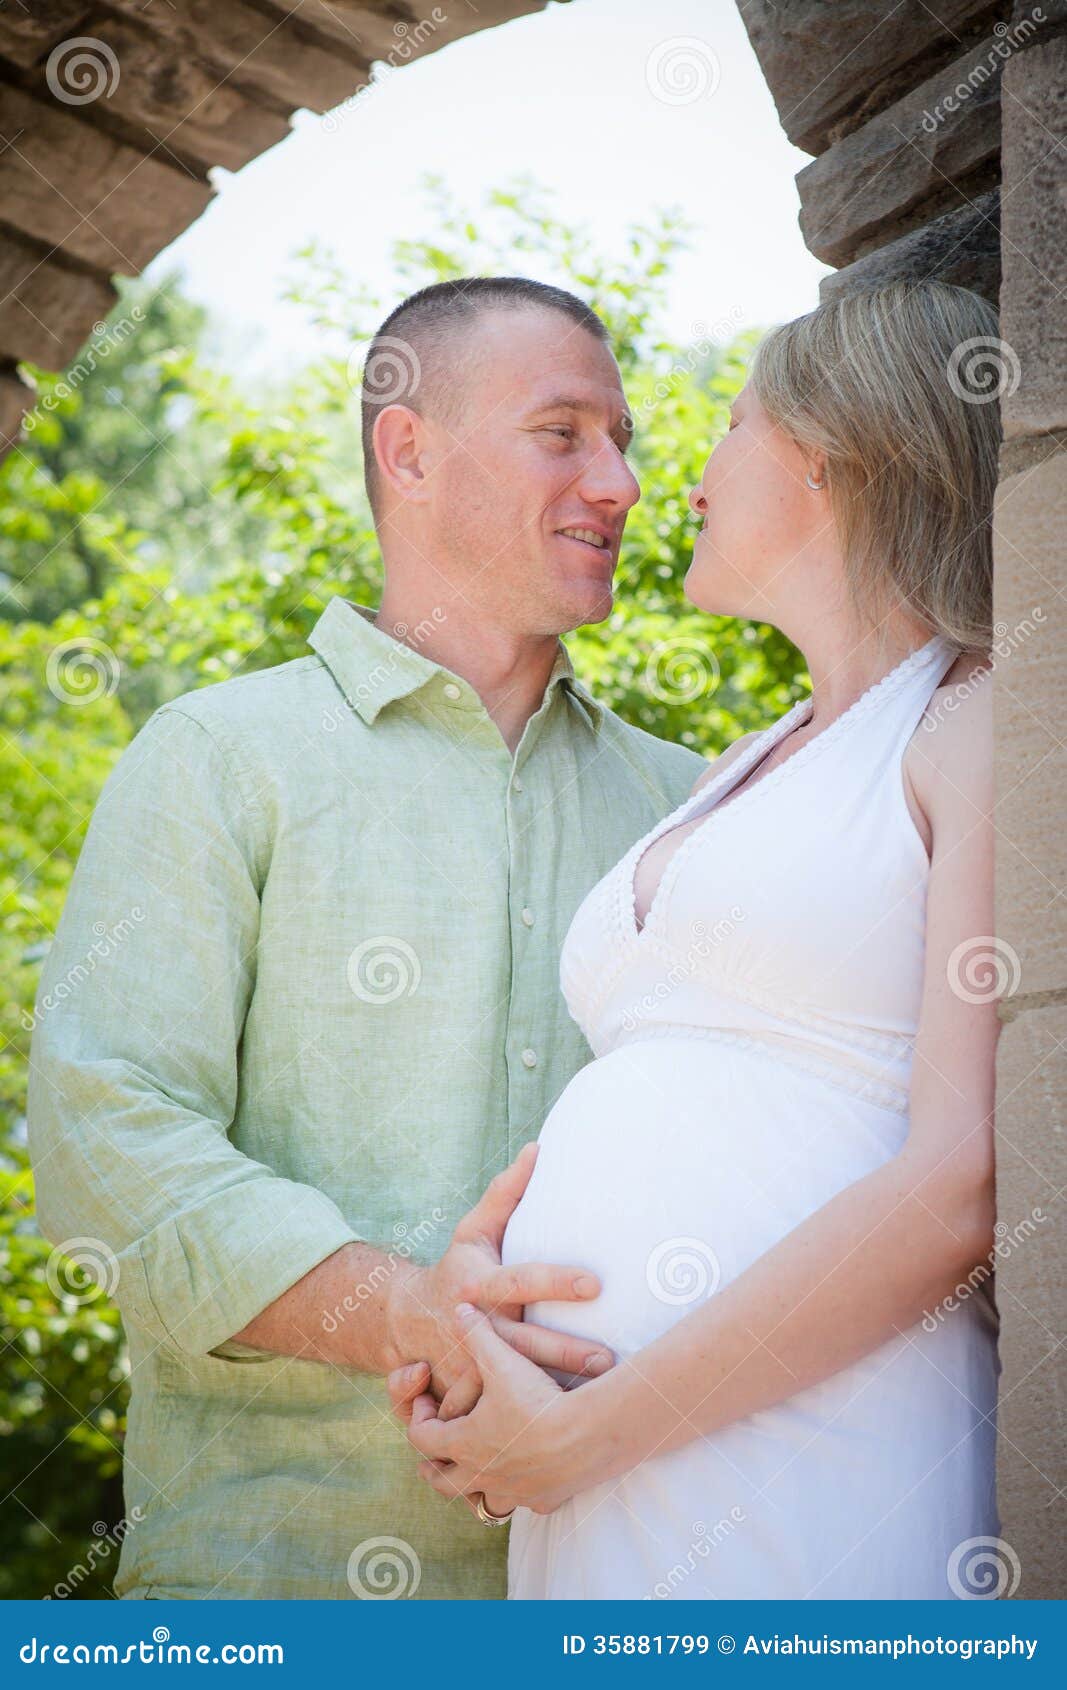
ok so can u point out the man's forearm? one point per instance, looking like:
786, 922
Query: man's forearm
338, 1313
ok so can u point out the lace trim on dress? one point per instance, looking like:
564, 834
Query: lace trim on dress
829, 736
879, 1092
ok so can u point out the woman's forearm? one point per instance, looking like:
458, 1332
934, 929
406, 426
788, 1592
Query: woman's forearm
865, 1266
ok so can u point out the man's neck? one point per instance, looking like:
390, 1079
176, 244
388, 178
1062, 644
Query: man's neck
508, 671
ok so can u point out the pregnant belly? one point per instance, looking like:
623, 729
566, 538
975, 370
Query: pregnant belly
668, 1166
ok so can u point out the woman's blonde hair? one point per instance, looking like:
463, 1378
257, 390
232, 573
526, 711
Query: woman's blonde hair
897, 386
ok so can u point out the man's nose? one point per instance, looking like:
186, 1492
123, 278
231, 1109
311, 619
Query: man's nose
608, 479
697, 502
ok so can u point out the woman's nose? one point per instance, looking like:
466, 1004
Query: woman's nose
697, 502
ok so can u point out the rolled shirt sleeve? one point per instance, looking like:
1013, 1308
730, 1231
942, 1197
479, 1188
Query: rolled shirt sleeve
134, 1064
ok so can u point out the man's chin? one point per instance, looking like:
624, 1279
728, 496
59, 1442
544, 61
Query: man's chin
591, 602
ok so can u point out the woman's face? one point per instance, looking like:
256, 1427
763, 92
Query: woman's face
763, 538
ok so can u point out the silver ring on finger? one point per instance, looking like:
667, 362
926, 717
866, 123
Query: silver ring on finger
485, 1516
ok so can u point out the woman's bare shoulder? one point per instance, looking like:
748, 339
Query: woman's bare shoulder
949, 761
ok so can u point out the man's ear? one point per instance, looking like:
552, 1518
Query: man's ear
399, 447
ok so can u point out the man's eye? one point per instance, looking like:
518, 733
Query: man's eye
564, 432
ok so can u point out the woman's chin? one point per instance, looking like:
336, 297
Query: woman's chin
712, 586
704, 591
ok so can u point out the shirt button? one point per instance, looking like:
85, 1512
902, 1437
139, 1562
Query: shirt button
516, 784
529, 1058
451, 690
528, 916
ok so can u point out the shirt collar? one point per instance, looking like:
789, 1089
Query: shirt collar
373, 669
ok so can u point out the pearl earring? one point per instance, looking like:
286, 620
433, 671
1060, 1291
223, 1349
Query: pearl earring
816, 486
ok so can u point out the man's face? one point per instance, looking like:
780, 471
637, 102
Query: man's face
529, 489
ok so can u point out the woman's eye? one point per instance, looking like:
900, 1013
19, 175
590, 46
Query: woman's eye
563, 431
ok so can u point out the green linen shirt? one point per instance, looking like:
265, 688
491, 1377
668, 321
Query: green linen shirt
304, 991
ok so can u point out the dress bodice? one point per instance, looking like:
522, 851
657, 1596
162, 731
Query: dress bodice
794, 914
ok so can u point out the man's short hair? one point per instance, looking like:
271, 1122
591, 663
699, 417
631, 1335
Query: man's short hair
407, 361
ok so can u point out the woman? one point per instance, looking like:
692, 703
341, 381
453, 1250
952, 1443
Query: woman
780, 1162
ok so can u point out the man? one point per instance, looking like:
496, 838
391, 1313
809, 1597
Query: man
343, 885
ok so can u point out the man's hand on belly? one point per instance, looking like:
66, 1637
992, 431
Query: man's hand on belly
420, 1314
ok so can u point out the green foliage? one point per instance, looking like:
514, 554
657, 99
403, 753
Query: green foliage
160, 530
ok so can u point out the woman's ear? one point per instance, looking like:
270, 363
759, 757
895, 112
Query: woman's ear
815, 475
399, 443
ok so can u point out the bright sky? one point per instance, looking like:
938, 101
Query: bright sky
614, 105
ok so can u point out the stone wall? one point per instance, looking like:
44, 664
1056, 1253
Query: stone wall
930, 127
940, 137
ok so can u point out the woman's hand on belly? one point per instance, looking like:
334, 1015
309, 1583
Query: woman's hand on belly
527, 1442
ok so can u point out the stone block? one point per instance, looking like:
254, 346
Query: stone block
962, 247
1031, 1292
1030, 719
924, 154
831, 64
66, 183
47, 310
1033, 312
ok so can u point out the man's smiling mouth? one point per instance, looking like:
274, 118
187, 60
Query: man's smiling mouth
588, 537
